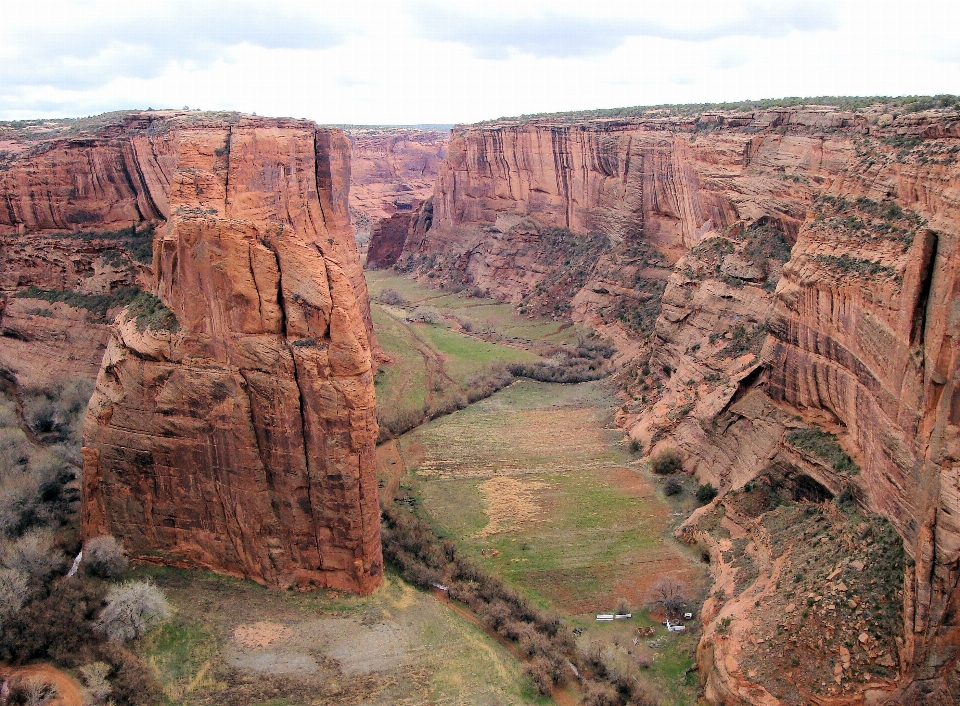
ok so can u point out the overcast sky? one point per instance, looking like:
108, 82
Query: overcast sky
446, 62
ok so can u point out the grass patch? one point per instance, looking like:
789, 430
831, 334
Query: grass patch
823, 445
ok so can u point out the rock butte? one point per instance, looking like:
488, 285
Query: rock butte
243, 441
859, 333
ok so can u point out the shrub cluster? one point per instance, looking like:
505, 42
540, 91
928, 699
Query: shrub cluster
666, 462
585, 362
706, 493
98, 305
152, 314
45, 615
392, 296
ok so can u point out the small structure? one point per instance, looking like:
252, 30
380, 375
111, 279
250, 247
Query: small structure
675, 627
623, 616
605, 617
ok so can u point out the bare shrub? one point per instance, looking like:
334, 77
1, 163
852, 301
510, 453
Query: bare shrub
426, 315
57, 409
670, 594
600, 694
485, 384
132, 609
392, 297
35, 691
96, 687
103, 557
666, 462
34, 555
13, 592
538, 669
673, 487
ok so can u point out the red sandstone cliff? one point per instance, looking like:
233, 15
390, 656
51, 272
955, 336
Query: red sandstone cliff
239, 438
392, 167
673, 237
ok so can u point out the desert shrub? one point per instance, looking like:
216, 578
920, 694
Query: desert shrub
103, 557
706, 493
13, 592
673, 487
152, 314
33, 555
57, 408
425, 315
823, 445
600, 694
96, 688
131, 678
538, 669
98, 306
587, 361
392, 296
634, 446
132, 609
485, 384
32, 691
55, 625
666, 462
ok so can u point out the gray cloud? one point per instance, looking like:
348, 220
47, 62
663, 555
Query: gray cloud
90, 49
562, 35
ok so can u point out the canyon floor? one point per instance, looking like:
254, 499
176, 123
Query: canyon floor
235, 642
536, 484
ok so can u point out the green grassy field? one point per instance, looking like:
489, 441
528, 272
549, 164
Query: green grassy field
234, 642
535, 482
437, 367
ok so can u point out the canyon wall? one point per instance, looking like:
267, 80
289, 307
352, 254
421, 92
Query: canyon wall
759, 272
392, 167
233, 422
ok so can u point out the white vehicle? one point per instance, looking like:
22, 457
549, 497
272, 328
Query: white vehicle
675, 627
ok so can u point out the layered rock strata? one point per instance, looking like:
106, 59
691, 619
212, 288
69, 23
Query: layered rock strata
782, 269
233, 421
393, 167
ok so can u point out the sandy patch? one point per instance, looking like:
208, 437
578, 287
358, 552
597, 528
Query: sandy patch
260, 634
510, 503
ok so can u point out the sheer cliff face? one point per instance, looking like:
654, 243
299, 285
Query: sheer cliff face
758, 272
241, 439
392, 168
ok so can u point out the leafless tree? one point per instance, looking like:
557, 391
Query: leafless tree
132, 609
103, 556
39, 692
670, 594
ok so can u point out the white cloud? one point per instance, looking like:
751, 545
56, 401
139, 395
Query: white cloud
385, 62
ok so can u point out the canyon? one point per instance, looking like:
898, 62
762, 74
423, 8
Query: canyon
233, 422
780, 287
768, 277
